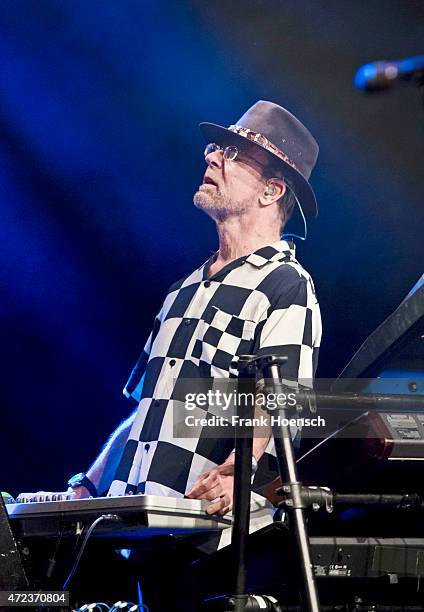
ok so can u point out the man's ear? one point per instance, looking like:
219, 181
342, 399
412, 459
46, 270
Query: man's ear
274, 190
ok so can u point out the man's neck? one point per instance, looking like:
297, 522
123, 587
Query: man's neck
237, 241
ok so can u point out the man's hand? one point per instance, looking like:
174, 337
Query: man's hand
78, 492
217, 486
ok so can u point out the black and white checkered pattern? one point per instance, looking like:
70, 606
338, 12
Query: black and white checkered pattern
264, 302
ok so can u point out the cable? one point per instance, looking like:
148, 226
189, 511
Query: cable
116, 607
121, 605
103, 517
52, 561
91, 607
305, 226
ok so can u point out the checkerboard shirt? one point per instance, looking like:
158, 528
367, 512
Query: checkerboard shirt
262, 303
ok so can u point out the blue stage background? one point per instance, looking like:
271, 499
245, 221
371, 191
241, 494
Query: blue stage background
100, 155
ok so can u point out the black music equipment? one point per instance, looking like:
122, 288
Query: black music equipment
380, 570
395, 350
378, 450
12, 572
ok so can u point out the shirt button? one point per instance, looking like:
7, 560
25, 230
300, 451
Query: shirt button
172, 363
187, 322
146, 447
207, 283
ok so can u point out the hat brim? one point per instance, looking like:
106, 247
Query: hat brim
223, 136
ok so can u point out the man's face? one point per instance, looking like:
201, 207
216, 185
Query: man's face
231, 187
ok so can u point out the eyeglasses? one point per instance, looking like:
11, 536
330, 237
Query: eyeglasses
229, 153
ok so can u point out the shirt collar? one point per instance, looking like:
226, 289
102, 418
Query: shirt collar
277, 251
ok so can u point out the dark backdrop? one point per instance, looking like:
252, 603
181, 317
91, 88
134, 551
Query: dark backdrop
100, 155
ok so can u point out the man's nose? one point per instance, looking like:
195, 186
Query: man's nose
214, 158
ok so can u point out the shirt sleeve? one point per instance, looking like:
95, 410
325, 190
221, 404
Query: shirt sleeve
292, 327
134, 386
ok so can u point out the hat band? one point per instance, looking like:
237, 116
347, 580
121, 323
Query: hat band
263, 142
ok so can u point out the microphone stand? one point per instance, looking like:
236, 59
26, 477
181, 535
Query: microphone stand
242, 483
268, 366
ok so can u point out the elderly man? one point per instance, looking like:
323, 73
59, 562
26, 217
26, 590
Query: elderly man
250, 297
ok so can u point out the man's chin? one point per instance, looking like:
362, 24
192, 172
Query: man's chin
202, 199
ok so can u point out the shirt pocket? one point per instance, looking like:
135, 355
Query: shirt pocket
221, 338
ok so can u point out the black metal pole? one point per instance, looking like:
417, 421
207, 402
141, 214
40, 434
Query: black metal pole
360, 402
242, 481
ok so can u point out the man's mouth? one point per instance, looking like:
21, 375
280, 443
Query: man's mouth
208, 181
